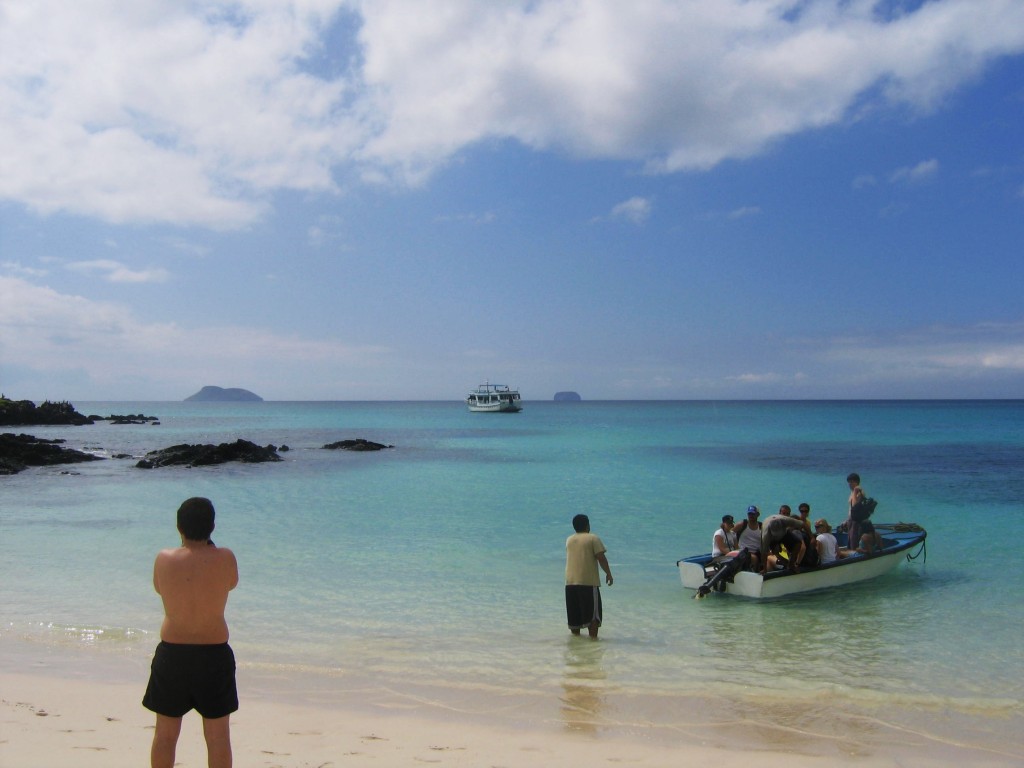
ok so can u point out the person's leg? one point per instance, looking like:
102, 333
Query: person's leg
592, 629
217, 732
165, 740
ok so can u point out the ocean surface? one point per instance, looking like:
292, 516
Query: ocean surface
433, 571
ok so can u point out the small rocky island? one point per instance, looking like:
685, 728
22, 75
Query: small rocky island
567, 397
208, 454
211, 394
358, 444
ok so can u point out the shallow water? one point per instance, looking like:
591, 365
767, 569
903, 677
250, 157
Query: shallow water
437, 565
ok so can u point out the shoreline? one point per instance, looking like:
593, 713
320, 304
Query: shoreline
72, 707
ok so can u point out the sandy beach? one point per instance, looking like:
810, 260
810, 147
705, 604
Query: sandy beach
50, 716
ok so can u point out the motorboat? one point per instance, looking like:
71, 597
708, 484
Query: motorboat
707, 574
494, 398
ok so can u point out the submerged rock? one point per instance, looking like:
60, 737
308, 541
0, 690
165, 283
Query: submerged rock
18, 452
359, 444
206, 455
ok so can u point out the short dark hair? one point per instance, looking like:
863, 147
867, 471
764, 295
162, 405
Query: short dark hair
853, 477
581, 523
804, 505
195, 518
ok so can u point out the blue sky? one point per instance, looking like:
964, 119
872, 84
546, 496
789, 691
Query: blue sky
385, 200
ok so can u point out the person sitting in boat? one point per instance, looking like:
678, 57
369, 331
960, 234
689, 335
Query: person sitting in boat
825, 542
805, 511
778, 531
749, 536
723, 543
810, 558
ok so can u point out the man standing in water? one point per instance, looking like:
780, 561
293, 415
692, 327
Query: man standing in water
193, 667
583, 553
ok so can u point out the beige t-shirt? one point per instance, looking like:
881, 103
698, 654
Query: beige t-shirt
581, 551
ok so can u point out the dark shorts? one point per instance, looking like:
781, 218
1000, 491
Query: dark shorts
582, 605
199, 677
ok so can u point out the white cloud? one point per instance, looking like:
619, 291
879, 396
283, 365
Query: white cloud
195, 114
105, 344
864, 181
942, 354
745, 212
755, 378
923, 171
116, 272
19, 269
636, 210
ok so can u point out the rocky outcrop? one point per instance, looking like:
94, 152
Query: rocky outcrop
18, 452
358, 444
567, 397
220, 395
206, 455
25, 413
131, 418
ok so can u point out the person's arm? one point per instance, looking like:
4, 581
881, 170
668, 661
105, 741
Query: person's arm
603, 562
233, 569
156, 572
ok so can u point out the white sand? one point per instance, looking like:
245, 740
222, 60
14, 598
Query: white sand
54, 715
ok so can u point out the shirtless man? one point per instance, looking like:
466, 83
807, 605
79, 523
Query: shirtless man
193, 667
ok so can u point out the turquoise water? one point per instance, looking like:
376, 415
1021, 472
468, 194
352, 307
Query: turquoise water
438, 564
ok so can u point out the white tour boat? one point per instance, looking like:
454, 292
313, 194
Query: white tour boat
700, 573
494, 398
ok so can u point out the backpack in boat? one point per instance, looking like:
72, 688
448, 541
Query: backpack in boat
862, 510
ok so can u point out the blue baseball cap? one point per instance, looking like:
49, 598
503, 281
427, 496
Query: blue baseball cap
752, 510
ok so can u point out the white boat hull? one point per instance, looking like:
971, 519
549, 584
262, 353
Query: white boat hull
846, 571
502, 407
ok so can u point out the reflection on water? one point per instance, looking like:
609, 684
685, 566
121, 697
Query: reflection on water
583, 698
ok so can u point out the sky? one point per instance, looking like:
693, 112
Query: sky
402, 199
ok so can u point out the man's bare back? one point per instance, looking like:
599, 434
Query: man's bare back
194, 581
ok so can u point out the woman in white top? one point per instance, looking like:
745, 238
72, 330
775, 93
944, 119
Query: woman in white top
724, 540
828, 549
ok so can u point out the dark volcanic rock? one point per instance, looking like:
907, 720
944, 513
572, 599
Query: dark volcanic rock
567, 397
205, 455
20, 451
220, 395
24, 413
356, 445
131, 418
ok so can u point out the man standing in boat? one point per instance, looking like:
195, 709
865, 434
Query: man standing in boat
583, 553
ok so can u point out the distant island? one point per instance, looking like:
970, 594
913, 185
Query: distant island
221, 395
567, 397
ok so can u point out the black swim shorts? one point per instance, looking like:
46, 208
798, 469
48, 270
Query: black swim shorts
199, 677
582, 605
